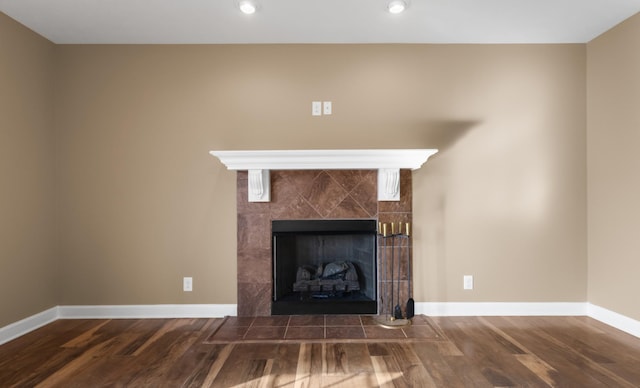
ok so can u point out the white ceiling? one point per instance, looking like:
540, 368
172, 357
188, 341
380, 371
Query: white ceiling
320, 21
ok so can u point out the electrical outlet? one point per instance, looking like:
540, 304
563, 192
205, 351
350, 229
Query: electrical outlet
468, 282
326, 108
187, 284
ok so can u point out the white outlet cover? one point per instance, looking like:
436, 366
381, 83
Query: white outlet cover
326, 108
187, 284
468, 282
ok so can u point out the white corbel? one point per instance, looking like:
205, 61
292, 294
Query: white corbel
389, 184
259, 186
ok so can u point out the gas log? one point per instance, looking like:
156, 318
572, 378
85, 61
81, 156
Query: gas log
337, 276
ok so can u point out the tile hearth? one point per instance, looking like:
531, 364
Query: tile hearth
320, 327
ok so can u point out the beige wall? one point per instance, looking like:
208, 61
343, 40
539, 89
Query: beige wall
142, 204
505, 199
27, 251
138, 203
613, 164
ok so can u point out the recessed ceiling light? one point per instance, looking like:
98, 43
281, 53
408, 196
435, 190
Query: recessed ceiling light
247, 7
397, 6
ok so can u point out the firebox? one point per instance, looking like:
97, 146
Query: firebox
324, 267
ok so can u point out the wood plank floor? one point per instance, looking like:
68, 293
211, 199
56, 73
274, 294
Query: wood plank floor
466, 352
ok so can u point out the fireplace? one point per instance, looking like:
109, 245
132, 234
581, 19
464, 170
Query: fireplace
324, 266
304, 195
313, 185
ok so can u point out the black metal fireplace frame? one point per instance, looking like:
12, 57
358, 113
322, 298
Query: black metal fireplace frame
362, 304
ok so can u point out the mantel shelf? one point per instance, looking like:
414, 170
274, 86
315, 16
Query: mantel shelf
370, 159
387, 162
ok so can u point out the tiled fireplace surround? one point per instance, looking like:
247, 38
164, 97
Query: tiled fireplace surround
310, 194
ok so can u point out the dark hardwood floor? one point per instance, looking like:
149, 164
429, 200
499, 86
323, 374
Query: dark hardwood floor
441, 352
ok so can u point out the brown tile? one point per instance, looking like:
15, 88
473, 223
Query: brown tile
369, 320
371, 176
348, 179
282, 194
281, 187
344, 332
241, 191
306, 320
324, 194
238, 321
254, 230
287, 201
342, 320
276, 320
228, 334
254, 265
379, 332
297, 208
300, 179
254, 299
305, 332
366, 194
265, 333
348, 208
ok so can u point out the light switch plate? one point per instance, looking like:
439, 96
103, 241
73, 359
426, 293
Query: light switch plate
316, 108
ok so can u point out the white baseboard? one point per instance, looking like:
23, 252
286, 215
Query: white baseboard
24, 326
148, 311
28, 324
611, 318
500, 308
451, 309
33, 322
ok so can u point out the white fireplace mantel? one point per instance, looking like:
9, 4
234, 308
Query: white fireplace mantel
324, 159
388, 162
